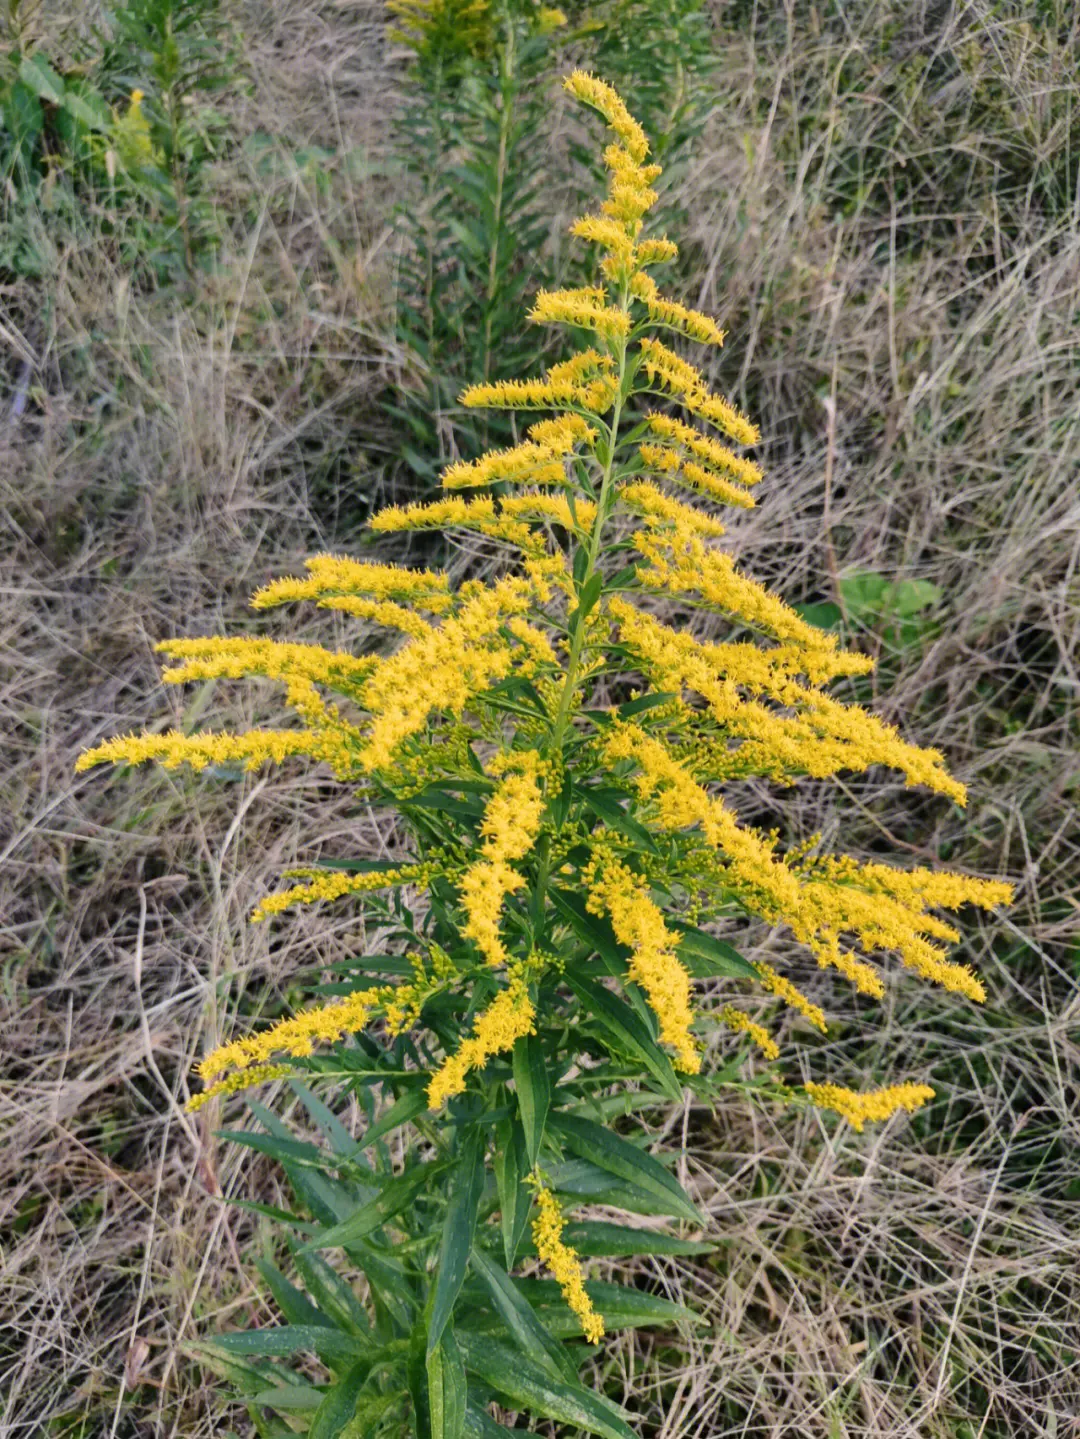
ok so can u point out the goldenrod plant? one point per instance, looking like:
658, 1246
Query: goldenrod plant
557, 746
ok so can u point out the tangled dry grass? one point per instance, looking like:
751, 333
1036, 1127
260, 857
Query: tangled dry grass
920, 397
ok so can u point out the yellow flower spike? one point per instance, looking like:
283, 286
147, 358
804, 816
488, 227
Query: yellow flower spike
242, 657
658, 509
509, 828
876, 1105
704, 448
334, 884
692, 323
783, 988
639, 924
242, 1079
585, 308
255, 748
299, 1035
336, 576
741, 1023
592, 91
657, 252
562, 1261
507, 1019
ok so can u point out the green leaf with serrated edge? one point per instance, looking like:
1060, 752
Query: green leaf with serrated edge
608, 1151
521, 1323
705, 956
596, 1239
331, 1292
530, 1388
293, 1303
339, 1403
532, 1083
511, 1166
396, 1195
632, 1037
459, 1226
331, 1346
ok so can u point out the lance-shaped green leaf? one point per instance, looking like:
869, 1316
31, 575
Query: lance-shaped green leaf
516, 1317
437, 1385
631, 1035
331, 1346
531, 1388
395, 1196
466, 1189
606, 1149
622, 1307
338, 1406
533, 1085
511, 1166
595, 1239
706, 957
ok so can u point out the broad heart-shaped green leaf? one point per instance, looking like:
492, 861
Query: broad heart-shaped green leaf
631, 1034
436, 1384
533, 1085
604, 1148
395, 1196
511, 1166
516, 1318
593, 1238
529, 1387
339, 1403
706, 957
459, 1226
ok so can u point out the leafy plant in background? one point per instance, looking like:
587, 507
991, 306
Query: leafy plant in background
474, 232
554, 754
126, 125
477, 231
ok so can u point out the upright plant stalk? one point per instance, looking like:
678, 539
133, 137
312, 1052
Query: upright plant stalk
557, 753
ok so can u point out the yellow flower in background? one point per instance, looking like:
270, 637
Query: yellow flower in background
131, 136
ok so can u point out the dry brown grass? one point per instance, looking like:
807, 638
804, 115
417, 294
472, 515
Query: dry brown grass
921, 406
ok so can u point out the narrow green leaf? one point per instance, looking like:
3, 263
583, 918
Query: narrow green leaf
595, 1239
530, 1388
406, 1108
331, 1292
607, 1150
604, 803
446, 1388
295, 1305
480, 1425
330, 1345
458, 1229
622, 1307
396, 1196
511, 1166
339, 1403
516, 1314
631, 1035
533, 1085
294, 1151
705, 956
290, 1397
596, 933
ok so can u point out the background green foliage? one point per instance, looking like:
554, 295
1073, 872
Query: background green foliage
895, 261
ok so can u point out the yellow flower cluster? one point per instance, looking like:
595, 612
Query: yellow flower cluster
704, 481
531, 463
242, 657
587, 308
254, 748
660, 510
509, 828
692, 323
666, 369
334, 884
444, 669
233, 1083
741, 1023
703, 447
562, 1261
639, 924
584, 381
878, 1104
334, 577
508, 1018
297, 1036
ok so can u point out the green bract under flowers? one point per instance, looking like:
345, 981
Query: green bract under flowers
557, 753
